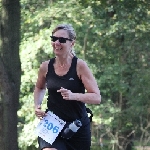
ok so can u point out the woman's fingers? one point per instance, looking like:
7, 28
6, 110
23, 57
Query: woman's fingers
39, 113
66, 94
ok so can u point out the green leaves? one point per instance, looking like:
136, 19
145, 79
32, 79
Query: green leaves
113, 38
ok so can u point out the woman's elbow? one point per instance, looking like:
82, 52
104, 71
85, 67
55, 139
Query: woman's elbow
97, 99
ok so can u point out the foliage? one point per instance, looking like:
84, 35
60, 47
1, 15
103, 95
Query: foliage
113, 38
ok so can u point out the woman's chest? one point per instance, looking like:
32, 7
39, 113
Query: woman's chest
61, 71
69, 81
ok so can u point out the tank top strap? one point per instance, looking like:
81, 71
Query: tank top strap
50, 65
74, 62
71, 71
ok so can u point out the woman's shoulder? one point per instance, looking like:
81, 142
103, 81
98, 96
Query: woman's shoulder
44, 66
81, 63
82, 67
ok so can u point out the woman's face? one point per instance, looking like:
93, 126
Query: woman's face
60, 45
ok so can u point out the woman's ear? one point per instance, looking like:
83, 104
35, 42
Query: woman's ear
73, 42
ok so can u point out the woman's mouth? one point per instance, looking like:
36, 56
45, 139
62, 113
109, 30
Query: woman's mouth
57, 49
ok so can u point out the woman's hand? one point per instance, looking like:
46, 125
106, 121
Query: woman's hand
67, 94
39, 113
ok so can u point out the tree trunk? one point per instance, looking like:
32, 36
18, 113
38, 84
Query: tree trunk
10, 73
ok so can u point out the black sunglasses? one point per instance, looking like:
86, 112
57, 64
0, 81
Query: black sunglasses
61, 39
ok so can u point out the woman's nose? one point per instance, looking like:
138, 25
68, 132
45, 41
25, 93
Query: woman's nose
57, 42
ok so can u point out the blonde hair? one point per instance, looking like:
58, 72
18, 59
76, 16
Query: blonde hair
68, 28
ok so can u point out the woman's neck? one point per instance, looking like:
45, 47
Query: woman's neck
63, 61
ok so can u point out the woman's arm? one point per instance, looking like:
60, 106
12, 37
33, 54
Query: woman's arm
38, 96
40, 89
92, 96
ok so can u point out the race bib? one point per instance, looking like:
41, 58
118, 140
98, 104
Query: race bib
49, 127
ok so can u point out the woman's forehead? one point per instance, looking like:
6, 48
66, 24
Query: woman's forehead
61, 33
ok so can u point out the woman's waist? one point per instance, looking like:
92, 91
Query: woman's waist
69, 116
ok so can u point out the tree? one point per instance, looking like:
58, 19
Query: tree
10, 73
122, 56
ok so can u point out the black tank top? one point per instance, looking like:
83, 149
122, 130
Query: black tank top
68, 110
